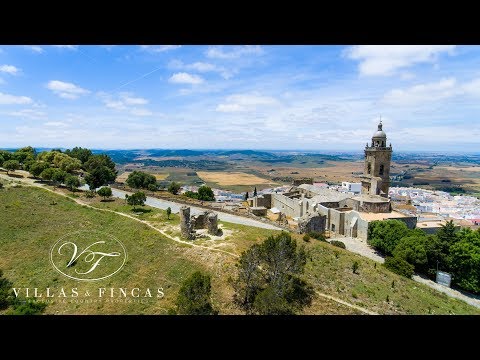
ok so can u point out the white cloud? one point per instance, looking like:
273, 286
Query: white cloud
28, 113
55, 124
159, 48
245, 102
140, 112
129, 99
422, 93
7, 99
9, 69
112, 104
233, 52
185, 78
66, 90
382, 60
123, 101
35, 48
472, 87
68, 47
202, 67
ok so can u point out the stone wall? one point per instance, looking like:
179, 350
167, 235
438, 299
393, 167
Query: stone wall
186, 228
290, 207
336, 221
312, 222
212, 223
367, 206
410, 221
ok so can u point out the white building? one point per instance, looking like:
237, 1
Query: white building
355, 188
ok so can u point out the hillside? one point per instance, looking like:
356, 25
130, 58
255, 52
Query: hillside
30, 225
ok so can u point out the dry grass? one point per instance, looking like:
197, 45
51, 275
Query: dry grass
123, 177
231, 178
334, 171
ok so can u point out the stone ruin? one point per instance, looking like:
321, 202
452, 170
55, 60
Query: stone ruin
206, 220
282, 219
312, 222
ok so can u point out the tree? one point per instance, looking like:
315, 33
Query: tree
268, 281
72, 182
6, 296
169, 212
191, 194
79, 153
137, 198
385, 235
194, 296
399, 266
412, 249
140, 179
255, 192
5, 156
58, 176
47, 174
99, 160
37, 167
174, 188
205, 193
99, 176
105, 192
464, 260
246, 196
11, 165
447, 236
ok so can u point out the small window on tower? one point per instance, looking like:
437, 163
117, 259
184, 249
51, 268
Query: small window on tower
369, 168
381, 170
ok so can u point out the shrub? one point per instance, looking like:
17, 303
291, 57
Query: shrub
29, 308
385, 235
90, 194
355, 267
152, 187
306, 238
173, 188
105, 192
1, 185
317, 235
338, 244
399, 266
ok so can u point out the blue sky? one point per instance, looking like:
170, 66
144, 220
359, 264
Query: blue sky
240, 97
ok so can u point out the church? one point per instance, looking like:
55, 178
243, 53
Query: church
320, 209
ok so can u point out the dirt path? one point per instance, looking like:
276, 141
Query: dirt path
33, 182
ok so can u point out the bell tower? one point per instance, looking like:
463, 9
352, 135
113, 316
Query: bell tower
376, 172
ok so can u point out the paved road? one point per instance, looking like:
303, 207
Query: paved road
164, 204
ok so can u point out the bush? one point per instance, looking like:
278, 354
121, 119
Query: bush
413, 250
173, 188
152, 187
1, 185
385, 235
29, 308
317, 235
399, 266
90, 194
194, 296
191, 194
338, 244
105, 192
306, 238
355, 266
5, 292
141, 180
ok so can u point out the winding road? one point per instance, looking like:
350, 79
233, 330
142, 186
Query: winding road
164, 204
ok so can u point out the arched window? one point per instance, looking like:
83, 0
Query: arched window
381, 170
369, 168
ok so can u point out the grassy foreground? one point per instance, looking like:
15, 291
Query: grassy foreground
29, 225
